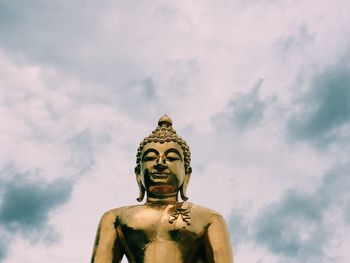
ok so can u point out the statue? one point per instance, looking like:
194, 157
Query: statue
162, 230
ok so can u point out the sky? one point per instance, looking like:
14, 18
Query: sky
260, 90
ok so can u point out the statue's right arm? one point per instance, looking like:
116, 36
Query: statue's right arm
107, 247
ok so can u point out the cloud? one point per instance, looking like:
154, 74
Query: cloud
33, 20
238, 226
293, 228
298, 227
117, 48
248, 109
82, 149
295, 42
27, 203
244, 111
148, 87
324, 113
82, 79
3, 247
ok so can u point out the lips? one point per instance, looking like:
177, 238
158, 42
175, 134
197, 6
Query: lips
159, 176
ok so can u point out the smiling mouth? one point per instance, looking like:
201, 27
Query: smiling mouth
160, 178
159, 175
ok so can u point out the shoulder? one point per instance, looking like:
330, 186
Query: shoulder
110, 216
206, 214
201, 210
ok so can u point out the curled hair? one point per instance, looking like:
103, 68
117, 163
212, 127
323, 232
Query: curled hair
165, 133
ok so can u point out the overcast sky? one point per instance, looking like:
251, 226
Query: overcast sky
260, 89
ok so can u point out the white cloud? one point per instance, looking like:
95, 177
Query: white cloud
82, 83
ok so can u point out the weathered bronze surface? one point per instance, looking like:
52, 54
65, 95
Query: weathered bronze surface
162, 230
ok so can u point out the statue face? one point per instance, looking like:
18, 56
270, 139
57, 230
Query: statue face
162, 168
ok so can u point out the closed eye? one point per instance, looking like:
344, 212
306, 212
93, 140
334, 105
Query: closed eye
149, 158
172, 159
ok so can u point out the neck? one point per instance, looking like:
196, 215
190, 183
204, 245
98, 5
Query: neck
162, 199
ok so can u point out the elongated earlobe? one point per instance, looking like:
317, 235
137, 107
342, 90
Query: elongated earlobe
141, 193
183, 193
139, 183
183, 187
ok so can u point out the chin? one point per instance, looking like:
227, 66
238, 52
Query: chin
162, 190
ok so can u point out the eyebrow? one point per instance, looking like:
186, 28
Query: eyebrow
148, 151
173, 150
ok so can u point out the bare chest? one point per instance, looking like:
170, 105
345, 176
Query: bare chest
162, 233
162, 223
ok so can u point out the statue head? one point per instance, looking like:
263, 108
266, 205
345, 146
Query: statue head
163, 163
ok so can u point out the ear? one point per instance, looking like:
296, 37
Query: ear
139, 182
184, 185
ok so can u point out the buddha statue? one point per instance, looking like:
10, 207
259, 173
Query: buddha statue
163, 229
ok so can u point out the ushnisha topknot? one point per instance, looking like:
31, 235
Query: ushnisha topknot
165, 133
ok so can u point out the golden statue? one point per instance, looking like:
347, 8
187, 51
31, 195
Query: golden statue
162, 230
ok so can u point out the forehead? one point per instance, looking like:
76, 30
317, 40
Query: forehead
162, 147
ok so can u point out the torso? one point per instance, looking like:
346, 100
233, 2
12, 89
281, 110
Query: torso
161, 233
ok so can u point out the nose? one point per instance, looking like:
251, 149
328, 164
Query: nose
160, 165
161, 159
